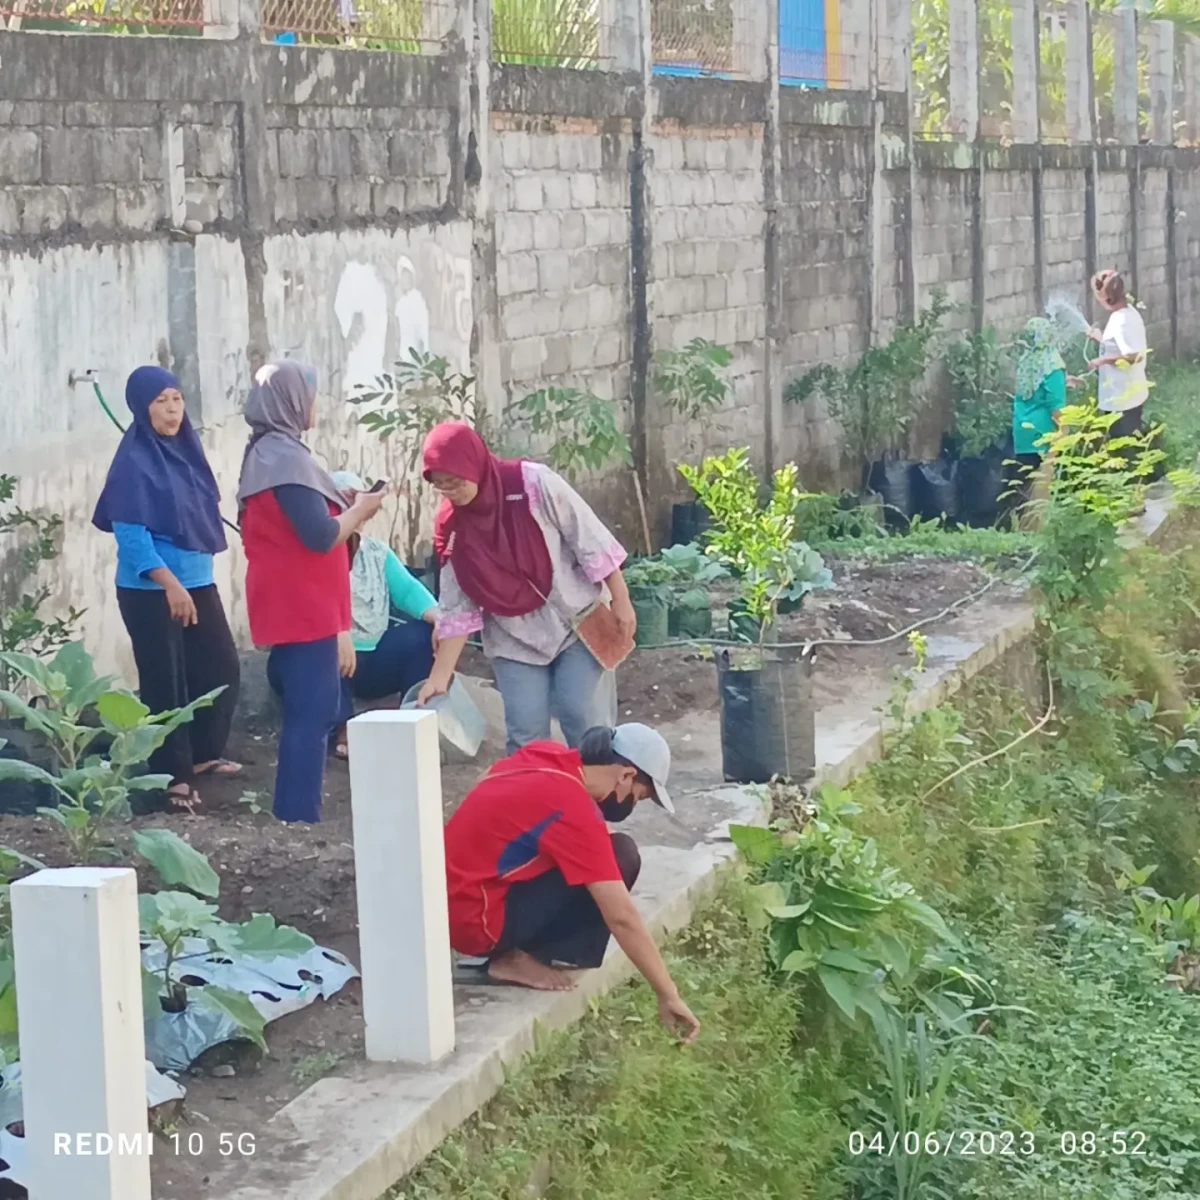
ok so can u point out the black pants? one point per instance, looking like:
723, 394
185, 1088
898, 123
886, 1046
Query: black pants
177, 664
557, 923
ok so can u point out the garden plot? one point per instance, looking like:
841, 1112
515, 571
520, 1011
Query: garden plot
304, 876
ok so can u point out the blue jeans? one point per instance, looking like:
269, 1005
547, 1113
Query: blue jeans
402, 658
305, 675
568, 688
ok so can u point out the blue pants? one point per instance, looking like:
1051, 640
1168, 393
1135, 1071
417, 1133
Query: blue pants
305, 675
403, 658
569, 689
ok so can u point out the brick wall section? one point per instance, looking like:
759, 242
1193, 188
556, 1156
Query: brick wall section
1187, 251
1152, 287
1064, 231
1113, 226
942, 239
1010, 281
825, 245
707, 270
561, 202
356, 163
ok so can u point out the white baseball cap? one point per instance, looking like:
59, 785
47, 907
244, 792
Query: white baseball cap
647, 749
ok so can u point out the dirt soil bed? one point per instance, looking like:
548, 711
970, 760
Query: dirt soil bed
304, 875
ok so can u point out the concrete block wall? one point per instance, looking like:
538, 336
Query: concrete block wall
942, 237
1114, 226
1064, 231
1152, 286
707, 268
1187, 255
1010, 271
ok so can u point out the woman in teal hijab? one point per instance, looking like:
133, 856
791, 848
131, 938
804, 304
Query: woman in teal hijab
1040, 392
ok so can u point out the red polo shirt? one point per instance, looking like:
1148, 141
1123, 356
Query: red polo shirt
528, 815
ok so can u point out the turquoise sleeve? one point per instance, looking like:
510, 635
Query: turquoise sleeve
407, 593
1053, 392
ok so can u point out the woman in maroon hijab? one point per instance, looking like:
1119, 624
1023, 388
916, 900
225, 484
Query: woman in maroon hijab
522, 555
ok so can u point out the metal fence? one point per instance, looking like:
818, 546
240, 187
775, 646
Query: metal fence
693, 37
552, 33
104, 16
404, 26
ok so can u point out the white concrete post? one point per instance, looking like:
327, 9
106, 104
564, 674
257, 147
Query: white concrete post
1025, 36
400, 876
1162, 82
854, 45
1125, 72
1079, 76
750, 35
895, 38
964, 70
621, 41
83, 1050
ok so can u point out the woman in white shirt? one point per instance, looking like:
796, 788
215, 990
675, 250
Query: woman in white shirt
1122, 361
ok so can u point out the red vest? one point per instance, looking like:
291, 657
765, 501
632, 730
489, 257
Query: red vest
292, 593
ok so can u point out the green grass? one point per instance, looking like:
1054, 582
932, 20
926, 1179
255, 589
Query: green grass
1175, 401
624, 1114
1020, 855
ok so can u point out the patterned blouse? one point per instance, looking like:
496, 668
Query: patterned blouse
584, 554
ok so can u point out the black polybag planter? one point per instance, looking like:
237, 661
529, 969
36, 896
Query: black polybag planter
981, 483
768, 726
19, 796
688, 522
891, 478
935, 489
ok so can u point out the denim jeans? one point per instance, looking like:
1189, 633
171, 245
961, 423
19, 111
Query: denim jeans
570, 688
306, 675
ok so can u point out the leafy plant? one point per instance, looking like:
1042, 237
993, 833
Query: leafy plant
77, 707
833, 909
876, 400
546, 33
172, 917
752, 540
692, 381
410, 400
690, 567
582, 429
22, 627
649, 577
979, 368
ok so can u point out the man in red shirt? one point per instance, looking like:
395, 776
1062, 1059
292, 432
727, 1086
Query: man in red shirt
536, 881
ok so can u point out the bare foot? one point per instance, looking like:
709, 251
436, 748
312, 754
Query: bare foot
525, 971
218, 766
184, 800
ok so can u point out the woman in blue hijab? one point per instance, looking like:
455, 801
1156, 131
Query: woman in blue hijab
160, 501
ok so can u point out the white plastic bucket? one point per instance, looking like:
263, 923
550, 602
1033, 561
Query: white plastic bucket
460, 723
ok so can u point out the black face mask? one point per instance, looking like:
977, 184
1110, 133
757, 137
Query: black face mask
614, 810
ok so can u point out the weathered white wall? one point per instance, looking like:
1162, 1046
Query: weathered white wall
349, 302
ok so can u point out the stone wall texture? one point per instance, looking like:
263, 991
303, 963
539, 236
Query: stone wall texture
210, 204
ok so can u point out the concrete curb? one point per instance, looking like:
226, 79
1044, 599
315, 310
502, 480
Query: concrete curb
354, 1136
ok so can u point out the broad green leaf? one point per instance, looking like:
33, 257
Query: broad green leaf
834, 921
170, 914
40, 719
760, 899
148, 783
260, 937
841, 991
755, 845
789, 912
8, 1010
152, 990
26, 772
234, 1004
848, 960
178, 864
894, 954
121, 710
799, 961
844, 898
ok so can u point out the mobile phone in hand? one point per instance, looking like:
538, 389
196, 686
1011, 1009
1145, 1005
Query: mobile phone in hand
378, 487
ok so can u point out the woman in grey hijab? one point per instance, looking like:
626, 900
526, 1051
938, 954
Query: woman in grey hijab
295, 524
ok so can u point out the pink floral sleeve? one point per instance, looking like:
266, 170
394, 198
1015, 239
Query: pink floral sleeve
457, 615
598, 553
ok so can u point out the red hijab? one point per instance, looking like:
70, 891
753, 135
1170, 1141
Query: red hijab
497, 548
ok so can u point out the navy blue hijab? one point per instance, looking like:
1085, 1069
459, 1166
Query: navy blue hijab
163, 483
